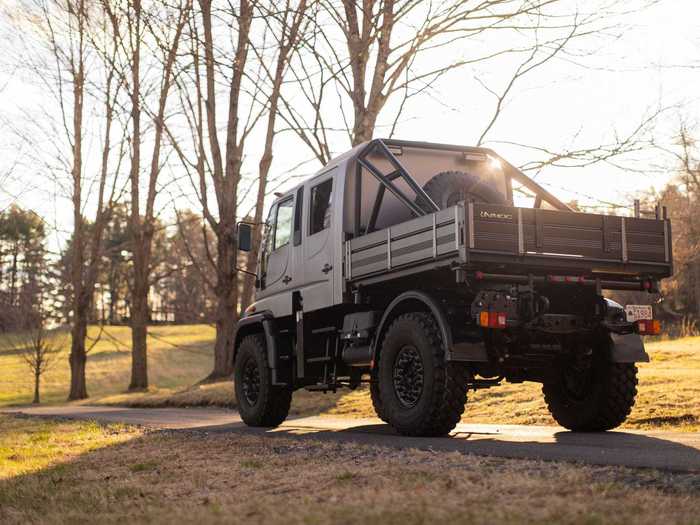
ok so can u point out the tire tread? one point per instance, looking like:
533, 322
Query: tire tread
449, 389
277, 401
607, 410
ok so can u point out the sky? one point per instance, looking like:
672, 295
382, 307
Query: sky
564, 106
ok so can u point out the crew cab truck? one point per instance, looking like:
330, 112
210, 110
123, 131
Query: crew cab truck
429, 270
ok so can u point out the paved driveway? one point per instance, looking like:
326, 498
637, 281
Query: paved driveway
663, 450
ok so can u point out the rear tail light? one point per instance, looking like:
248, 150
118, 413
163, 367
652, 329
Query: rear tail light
493, 319
649, 327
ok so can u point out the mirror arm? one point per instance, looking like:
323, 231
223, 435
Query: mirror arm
246, 272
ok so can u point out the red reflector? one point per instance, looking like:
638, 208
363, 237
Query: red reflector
493, 320
501, 320
479, 276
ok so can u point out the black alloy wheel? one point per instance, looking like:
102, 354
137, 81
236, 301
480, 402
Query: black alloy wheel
408, 376
251, 382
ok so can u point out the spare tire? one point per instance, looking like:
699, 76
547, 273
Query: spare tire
449, 187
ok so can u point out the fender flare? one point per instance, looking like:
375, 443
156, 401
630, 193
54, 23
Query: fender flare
395, 309
261, 322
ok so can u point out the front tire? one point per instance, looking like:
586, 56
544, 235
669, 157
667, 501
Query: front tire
603, 400
421, 393
260, 404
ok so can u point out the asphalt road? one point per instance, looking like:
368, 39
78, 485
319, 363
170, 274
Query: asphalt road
678, 451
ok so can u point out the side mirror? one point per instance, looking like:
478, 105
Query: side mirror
245, 236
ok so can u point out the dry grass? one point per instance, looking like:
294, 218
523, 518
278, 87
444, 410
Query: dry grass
130, 476
178, 356
669, 390
668, 398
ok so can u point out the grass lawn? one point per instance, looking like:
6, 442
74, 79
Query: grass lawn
179, 356
77, 472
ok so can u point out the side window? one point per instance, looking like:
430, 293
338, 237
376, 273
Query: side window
283, 223
320, 217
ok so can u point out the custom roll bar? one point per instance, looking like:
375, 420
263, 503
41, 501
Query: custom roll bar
423, 204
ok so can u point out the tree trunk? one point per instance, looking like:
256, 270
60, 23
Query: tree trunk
13, 274
223, 347
78, 358
37, 377
365, 123
139, 327
112, 304
227, 302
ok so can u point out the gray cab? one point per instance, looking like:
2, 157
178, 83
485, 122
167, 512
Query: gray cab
300, 248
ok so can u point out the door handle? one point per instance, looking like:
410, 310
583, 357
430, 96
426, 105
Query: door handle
286, 279
326, 268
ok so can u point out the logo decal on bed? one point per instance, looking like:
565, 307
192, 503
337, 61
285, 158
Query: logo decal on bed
496, 215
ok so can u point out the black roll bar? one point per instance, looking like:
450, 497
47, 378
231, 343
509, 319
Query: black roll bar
423, 204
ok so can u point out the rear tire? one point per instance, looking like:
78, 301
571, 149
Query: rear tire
603, 403
449, 187
260, 404
421, 393
375, 393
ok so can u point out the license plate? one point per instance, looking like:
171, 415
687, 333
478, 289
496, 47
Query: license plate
638, 312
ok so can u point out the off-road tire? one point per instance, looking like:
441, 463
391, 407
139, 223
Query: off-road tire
271, 406
375, 394
444, 386
606, 404
449, 187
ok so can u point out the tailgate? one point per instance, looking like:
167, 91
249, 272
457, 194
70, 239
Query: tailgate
548, 240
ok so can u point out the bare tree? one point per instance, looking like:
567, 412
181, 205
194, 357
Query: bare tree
682, 196
160, 27
254, 77
398, 49
289, 25
216, 169
40, 349
62, 57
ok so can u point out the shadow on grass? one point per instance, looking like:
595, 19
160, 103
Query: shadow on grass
141, 479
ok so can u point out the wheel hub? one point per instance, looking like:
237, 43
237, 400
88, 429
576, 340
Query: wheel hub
408, 376
251, 382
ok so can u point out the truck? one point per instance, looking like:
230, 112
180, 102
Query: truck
430, 270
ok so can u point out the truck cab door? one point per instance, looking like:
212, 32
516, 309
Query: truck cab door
318, 245
275, 271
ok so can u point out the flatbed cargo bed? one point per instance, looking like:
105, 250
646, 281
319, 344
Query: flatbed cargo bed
622, 251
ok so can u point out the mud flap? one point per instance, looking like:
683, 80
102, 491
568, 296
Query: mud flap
468, 352
627, 348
